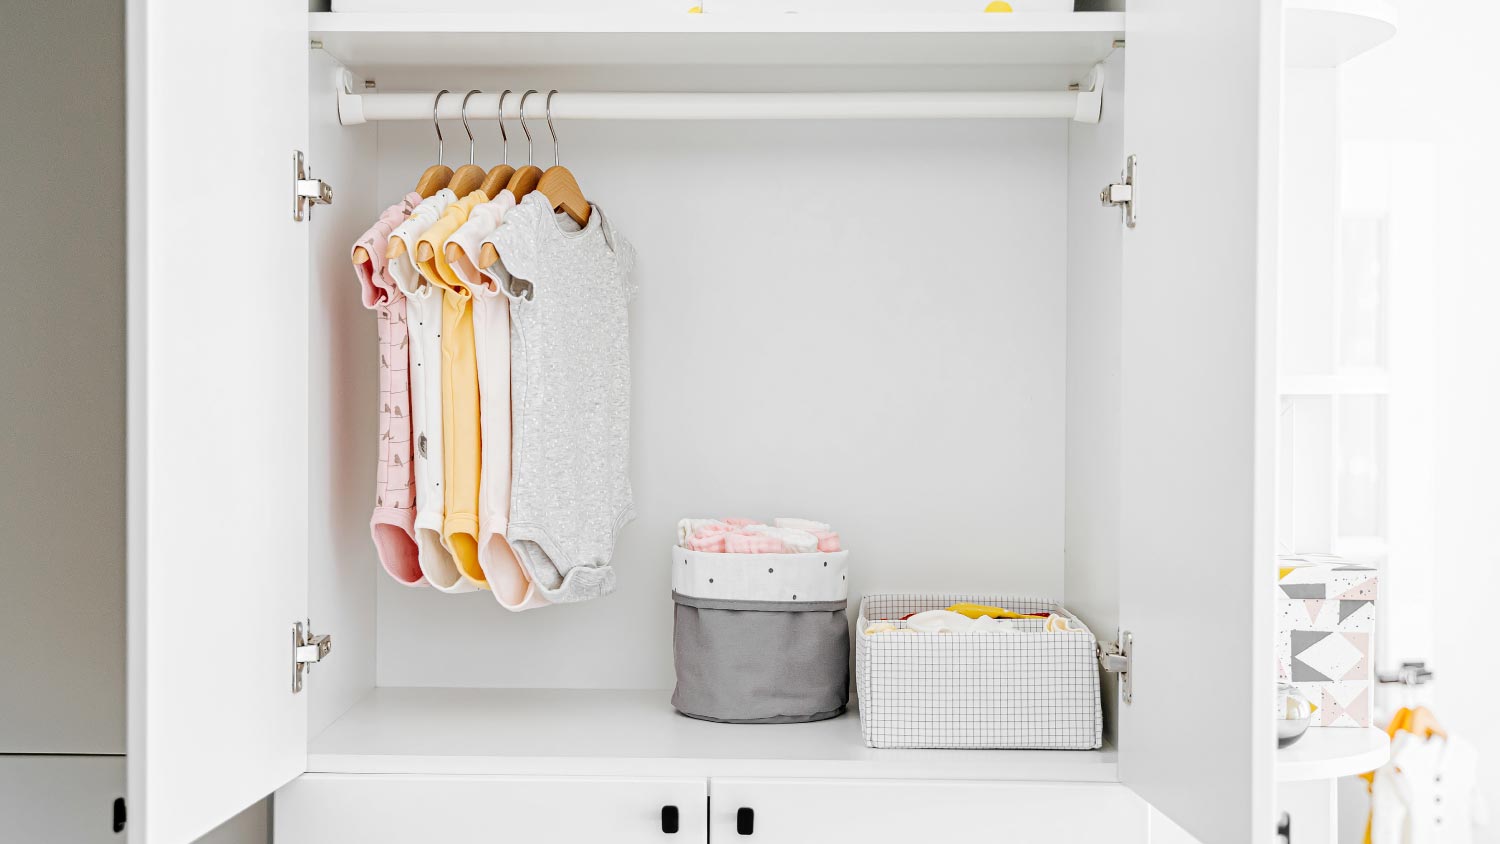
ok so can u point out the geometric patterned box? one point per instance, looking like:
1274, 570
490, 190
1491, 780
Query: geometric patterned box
1325, 632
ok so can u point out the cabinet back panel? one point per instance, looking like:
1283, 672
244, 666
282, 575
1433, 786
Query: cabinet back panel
860, 322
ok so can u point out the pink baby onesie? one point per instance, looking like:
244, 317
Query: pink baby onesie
391, 524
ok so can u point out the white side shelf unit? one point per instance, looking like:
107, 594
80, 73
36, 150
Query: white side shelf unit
1328, 33
1327, 753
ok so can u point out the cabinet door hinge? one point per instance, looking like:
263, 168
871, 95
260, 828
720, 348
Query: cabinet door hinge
307, 648
1123, 194
1115, 657
307, 191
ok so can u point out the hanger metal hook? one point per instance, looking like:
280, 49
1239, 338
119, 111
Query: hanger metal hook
504, 139
463, 114
556, 156
435, 127
523, 125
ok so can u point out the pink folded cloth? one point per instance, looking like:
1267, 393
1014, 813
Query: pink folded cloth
828, 541
752, 543
710, 542
749, 536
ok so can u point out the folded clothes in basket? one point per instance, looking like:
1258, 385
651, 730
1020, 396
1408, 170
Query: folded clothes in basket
948, 621
746, 536
977, 610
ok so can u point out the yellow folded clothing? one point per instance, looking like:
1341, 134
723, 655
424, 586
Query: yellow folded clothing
978, 610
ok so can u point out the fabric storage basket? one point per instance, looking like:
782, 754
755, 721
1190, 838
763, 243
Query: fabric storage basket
1027, 689
760, 638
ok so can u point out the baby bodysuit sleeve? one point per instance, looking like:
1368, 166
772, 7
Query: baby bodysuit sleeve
369, 271
624, 254
516, 241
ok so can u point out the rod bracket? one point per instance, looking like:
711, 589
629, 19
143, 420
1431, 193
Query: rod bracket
350, 105
1090, 107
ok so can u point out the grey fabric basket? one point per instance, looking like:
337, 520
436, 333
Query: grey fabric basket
760, 662
760, 638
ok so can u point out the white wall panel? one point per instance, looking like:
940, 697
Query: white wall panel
861, 322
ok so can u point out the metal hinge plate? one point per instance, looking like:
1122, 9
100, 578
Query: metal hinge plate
307, 648
1123, 194
307, 191
1115, 657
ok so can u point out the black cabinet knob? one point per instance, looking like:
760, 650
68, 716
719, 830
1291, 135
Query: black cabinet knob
744, 821
670, 822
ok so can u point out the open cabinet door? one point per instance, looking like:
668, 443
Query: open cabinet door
1197, 412
217, 408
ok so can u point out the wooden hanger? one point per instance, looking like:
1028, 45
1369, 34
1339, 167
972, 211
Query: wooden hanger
1425, 724
499, 175
466, 179
496, 180
558, 184
469, 177
433, 179
522, 181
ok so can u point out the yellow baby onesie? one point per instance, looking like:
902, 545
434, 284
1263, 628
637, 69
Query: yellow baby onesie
460, 394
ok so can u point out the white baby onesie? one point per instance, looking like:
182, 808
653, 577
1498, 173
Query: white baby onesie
507, 579
570, 396
424, 326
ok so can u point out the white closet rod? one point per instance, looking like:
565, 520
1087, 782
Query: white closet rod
1083, 106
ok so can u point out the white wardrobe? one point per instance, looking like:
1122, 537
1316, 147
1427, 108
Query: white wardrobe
977, 370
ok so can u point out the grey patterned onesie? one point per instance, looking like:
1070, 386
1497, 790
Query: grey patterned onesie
570, 394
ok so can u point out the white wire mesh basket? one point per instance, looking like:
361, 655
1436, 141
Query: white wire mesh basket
1026, 689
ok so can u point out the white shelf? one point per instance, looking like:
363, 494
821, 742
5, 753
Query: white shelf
637, 733
1327, 33
1326, 753
366, 40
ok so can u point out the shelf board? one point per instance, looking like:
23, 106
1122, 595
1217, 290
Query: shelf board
366, 40
1328, 33
563, 732
1332, 752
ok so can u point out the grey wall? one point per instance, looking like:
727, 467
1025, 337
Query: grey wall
62, 377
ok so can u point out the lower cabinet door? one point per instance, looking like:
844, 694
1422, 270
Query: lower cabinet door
62, 799
402, 809
785, 811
